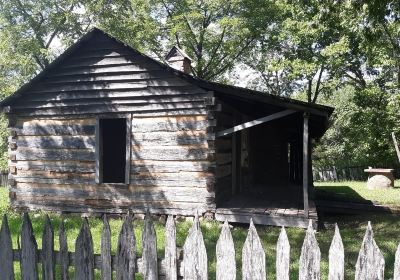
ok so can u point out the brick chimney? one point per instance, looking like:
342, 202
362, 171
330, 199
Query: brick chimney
178, 59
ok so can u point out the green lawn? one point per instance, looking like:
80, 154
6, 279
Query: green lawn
357, 191
386, 227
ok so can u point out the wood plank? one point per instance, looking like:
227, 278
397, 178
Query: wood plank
84, 256
310, 257
336, 257
262, 219
149, 250
194, 253
63, 253
169, 153
282, 256
370, 262
29, 254
48, 255
225, 252
255, 122
106, 269
253, 256
6, 252
126, 251
170, 250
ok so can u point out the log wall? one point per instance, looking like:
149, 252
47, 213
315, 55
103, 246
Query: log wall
53, 135
52, 165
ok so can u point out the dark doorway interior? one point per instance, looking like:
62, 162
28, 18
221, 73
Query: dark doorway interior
113, 134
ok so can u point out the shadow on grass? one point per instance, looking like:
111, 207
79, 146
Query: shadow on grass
340, 193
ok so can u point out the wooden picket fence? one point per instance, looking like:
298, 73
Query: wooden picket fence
370, 264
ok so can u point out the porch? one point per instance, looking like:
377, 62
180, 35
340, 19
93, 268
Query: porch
281, 206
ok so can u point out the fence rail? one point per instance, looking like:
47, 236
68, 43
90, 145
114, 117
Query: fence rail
370, 263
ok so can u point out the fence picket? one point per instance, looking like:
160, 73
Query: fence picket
6, 251
29, 253
309, 266
282, 256
48, 255
396, 274
253, 256
170, 250
149, 250
106, 269
194, 254
126, 251
64, 259
225, 252
84, 257
336, 257
370, 262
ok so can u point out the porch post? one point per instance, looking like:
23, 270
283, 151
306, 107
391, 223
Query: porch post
305, 163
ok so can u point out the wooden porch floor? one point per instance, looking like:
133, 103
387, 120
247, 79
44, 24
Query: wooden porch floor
274, 208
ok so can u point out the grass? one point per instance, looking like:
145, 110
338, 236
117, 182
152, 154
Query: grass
357, 191
386, 228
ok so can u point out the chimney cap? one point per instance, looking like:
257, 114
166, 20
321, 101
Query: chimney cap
177, 53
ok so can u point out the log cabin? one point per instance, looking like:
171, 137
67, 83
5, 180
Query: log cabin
107, 129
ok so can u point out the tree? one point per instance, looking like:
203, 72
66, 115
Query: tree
214, 33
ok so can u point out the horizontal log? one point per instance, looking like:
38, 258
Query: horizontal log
109, 100
54, 174
89, 86
103, 61
135, 209
170, 166
194, 107
58, 154
170, 153
181, 175
57, 142
116, 76
110, 68
58, 166
106, 203
171, 194
55, 181
21, 122
195, 182
150, 92
55, 130
170, 138
169, 124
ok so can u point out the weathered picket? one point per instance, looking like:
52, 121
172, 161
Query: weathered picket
192, 264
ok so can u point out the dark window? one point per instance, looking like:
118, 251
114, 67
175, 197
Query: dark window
113, 150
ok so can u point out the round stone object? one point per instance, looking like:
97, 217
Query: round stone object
378, 182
